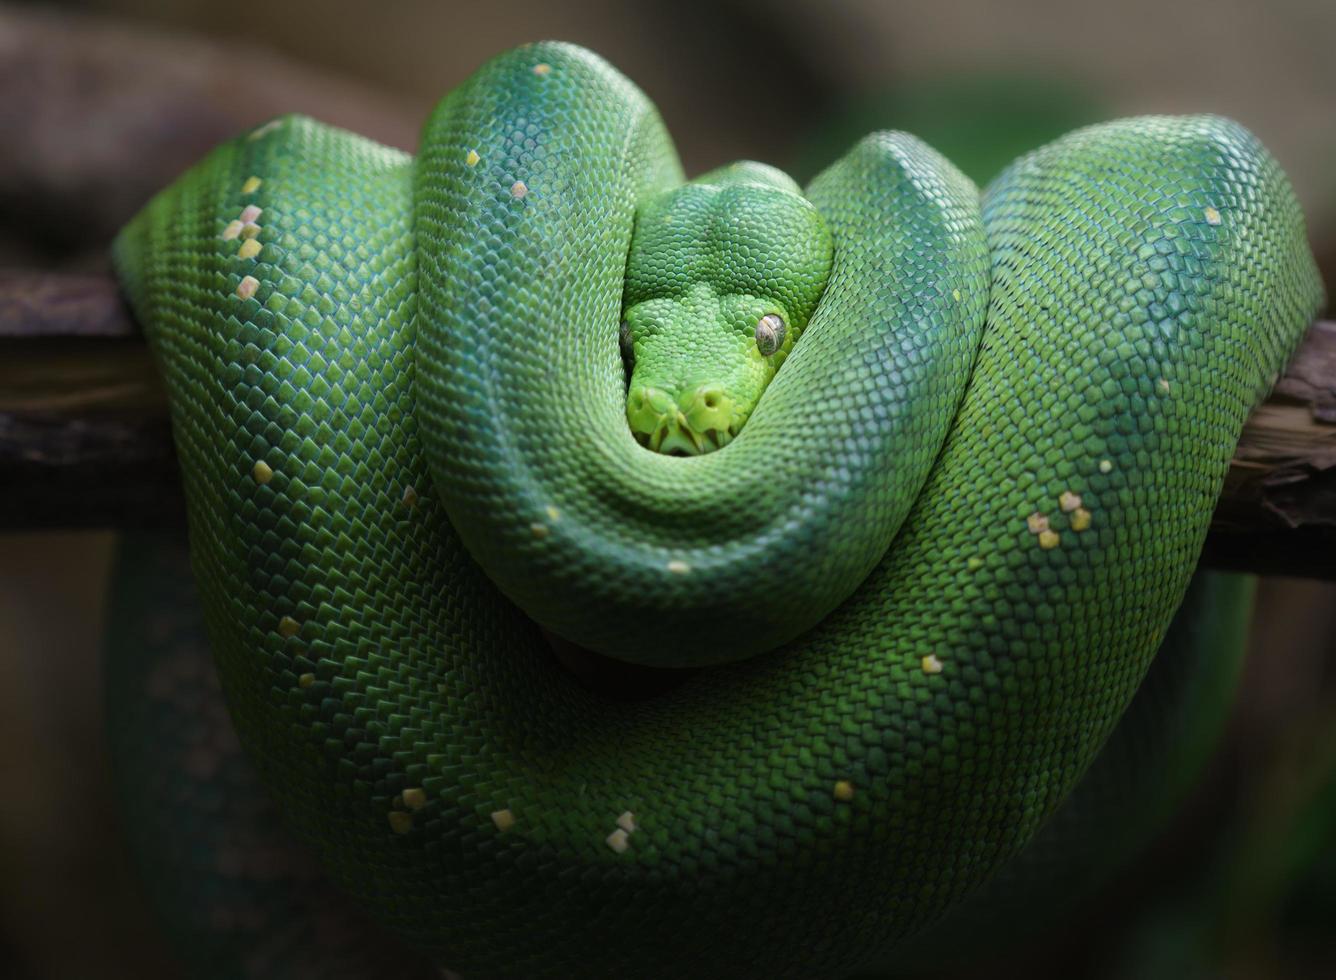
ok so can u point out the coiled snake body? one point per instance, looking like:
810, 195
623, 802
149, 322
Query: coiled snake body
941, 548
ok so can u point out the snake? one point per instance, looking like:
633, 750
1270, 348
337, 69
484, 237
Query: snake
900, 483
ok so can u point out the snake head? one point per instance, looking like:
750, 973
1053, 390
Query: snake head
722, 276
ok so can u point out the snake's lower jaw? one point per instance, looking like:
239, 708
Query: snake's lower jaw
697, 421
673, 438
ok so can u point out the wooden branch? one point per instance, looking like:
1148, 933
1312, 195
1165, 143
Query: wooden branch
84, 436
84, 439
1278, 510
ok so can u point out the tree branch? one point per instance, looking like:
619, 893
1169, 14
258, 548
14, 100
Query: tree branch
84, 438
1278, 510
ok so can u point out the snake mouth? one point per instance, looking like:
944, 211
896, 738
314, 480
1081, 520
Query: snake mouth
673, 437
696, 421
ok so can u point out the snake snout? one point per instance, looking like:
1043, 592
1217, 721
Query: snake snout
696, 419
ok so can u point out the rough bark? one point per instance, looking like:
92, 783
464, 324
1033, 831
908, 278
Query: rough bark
84, 439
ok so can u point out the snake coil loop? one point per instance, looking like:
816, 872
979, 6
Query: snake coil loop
973, 495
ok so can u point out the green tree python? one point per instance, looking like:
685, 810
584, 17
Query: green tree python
915, 477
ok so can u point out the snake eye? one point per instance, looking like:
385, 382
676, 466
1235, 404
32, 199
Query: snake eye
769, 334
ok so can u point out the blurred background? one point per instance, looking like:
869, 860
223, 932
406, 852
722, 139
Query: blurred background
102, 102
